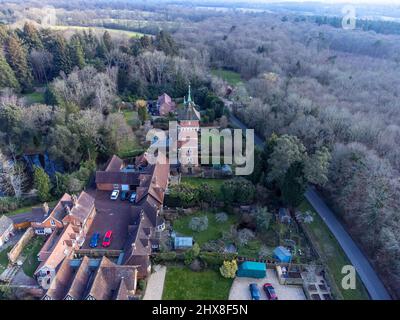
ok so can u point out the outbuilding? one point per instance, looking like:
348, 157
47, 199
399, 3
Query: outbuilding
282, 254
252, 269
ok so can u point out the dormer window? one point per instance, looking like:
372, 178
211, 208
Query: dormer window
53, 223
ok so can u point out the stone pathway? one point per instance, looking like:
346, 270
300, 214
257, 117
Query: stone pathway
155, 284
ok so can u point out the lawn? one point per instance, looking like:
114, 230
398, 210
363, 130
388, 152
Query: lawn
130, 116
332, 254
35, 97
30, 252
213, 232
4, 259
98, 29
233, 78
28, 208
183, 284
250, 250
216, 183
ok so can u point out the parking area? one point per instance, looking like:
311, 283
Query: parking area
240, 288
110, 215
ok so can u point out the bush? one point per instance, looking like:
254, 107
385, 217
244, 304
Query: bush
228, 269
221, 217
142, 285
8, 204
192, 254
165, 257
244, 236
199, 224
238, 190
215, 259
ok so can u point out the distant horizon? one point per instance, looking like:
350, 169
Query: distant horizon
359, 2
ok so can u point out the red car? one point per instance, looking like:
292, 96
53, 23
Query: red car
270, 291
107, 239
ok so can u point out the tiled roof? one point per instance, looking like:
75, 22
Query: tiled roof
107, 281
61, 247
115, 164
80, 282
83, 207
130, 178
62, 281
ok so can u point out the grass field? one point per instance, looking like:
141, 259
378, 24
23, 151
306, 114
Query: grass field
332, 254
35, 97
216, 183
29, 208
233, 78
213, 232
130, 116
183, 284
100, 30
4, 259
131, 146
30, 252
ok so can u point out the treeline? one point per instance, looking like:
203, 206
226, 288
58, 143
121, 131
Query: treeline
334, 91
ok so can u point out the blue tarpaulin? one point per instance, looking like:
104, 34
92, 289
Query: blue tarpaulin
282, 254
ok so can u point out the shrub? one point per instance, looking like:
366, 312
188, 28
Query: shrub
221, 217
215, 259
228, 269
244, 236
165, 256
142, 284
8, 204
238, 190
199, 224
192, 254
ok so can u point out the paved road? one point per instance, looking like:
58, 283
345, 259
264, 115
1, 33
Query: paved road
367, 274
364, 269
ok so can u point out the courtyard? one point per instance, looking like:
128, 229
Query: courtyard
110, 215
240, 288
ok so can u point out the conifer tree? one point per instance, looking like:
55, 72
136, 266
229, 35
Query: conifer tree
17, 59
7, 75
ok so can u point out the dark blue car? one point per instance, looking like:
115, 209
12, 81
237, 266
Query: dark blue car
94, 240
254, 291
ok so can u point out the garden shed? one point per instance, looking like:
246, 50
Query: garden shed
282, 254
252, 269
183, 242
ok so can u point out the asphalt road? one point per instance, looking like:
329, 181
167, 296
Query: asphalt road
367, 274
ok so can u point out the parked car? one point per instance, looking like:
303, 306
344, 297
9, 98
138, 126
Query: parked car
94, 240
107, 239
114, 195
270, 291
132, 198
124, 195
254, 291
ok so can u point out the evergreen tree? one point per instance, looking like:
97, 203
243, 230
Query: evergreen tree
108, 41
294, 185
76, 52
17, 59
164, 42
7, 75
31, 37
61, 60
42, 184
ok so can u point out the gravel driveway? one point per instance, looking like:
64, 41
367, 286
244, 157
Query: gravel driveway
155, 284
240, 288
